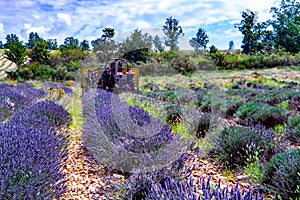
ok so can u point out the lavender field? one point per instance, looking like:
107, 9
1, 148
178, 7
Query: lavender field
212, 135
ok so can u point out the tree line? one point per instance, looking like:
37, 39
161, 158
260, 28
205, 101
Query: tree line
282, 32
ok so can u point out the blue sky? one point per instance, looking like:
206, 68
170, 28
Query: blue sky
85, 19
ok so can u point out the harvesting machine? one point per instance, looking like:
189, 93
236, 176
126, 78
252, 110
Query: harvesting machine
115, 76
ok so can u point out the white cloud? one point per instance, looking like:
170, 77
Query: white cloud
86, 19
36, 16
65, 17
41, 30
1, 28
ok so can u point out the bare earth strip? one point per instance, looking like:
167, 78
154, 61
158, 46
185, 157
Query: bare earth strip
85, 176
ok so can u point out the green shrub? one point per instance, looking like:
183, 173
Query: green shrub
282, 175
168, 96
238, 145
183, 64
267, 115
248, 109
203, 125
173, 113
273, 97
294, 129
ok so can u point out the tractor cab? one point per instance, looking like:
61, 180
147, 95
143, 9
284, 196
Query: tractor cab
116, 76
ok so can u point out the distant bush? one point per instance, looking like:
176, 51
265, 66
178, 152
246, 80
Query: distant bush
282, 175
203, 125
294, 102
243, 61
257, 112
183, 64
273, 97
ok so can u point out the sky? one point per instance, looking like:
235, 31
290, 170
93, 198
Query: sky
85, 19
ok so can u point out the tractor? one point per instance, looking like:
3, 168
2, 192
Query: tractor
116, 76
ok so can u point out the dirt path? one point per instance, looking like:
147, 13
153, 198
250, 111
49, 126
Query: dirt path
84, 175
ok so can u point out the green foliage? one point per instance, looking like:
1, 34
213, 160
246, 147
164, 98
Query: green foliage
248, 109
286, 25
183, 64
200, 41
213, 49
16, 51
70, 43
108, 33
281, 174
137, 55
172, 32
217, 57
33, 39
255, 34
274, 97
243, 61
52, 44
84, 45
164, 56
40, 52
158, 44
241, 145
136, 47
253, 168
33, 71
267, 115
294, 129
67, 56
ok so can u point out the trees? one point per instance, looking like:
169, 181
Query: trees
246, 27
231, 45
172, 32
136, 46
1, 45
33, 38
70, 43
40, 53
108, 33
200, 41
286, 25
157, 44
256, 35
84, 45
17, 52
105, 46
52, 44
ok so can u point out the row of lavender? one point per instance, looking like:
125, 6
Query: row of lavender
156, 161
264, 143
32, 143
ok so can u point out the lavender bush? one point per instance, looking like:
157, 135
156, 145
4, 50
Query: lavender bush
172, 189
265, 114
122, 140
30, 162
293, 134
56, 115
238, 145
282, 175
